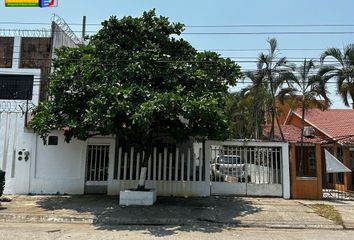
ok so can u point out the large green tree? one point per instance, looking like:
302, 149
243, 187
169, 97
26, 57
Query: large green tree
342, 72
136, 78
246, 119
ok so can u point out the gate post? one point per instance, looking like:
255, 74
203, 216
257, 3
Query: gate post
286, 170
347, 175
319, 170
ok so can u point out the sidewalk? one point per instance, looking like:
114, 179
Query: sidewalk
216, 212
345, 208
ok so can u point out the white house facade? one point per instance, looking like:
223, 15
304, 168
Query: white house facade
104, 165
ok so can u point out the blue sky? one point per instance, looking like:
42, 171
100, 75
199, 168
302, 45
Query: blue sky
221, 12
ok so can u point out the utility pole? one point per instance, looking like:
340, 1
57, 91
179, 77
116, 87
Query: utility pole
83, 28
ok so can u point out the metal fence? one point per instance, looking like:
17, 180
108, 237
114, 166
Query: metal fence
171, 170
165, 164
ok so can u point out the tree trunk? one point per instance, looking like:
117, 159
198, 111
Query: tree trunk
144, 165
255, 116
275, 117
352, 97
279, 127
302, 137
271, 134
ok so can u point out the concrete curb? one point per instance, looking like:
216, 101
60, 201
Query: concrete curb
42, 218
105, 220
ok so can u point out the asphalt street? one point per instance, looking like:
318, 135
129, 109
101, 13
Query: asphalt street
33, 231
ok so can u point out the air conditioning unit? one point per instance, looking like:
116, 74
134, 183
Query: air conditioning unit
309, 132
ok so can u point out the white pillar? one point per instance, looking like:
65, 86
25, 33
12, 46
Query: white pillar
286, 170
16, 53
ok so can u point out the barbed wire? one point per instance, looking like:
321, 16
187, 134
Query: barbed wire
25, 33
66, 28
16, 106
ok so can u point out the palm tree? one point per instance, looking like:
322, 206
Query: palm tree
310, 87
272, 67
257, 91
344, 73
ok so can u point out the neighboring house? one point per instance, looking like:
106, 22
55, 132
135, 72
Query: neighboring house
288, 104
25, 65
333, 130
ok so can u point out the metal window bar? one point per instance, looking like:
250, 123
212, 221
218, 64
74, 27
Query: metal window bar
97, 163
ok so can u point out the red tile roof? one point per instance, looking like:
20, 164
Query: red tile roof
334, 123
292, 134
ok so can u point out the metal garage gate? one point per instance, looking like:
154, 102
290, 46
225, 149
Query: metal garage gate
247, 168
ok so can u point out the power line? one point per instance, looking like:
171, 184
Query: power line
270, 33
262, 49
199, 26
241, 81
242, 49
269, 25
157, 61
225, 33
235, 57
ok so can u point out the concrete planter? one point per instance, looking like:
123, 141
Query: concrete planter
142, 198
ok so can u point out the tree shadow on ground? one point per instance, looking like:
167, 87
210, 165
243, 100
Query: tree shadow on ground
167, 216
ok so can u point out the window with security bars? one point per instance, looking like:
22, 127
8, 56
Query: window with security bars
16, 87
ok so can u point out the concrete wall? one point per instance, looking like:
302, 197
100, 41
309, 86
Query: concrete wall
58, 168
51, 169
60, 38
6, 51
13, 135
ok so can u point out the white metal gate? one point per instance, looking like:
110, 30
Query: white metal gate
97, 162
248, 168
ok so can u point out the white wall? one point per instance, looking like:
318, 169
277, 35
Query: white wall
11, 130
50, 169
58, 168
13, 135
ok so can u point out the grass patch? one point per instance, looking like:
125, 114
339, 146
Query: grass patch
327, 211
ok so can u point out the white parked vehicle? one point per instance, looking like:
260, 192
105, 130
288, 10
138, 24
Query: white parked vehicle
228, 168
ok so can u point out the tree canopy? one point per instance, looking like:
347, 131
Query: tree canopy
138, 78
343, 74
